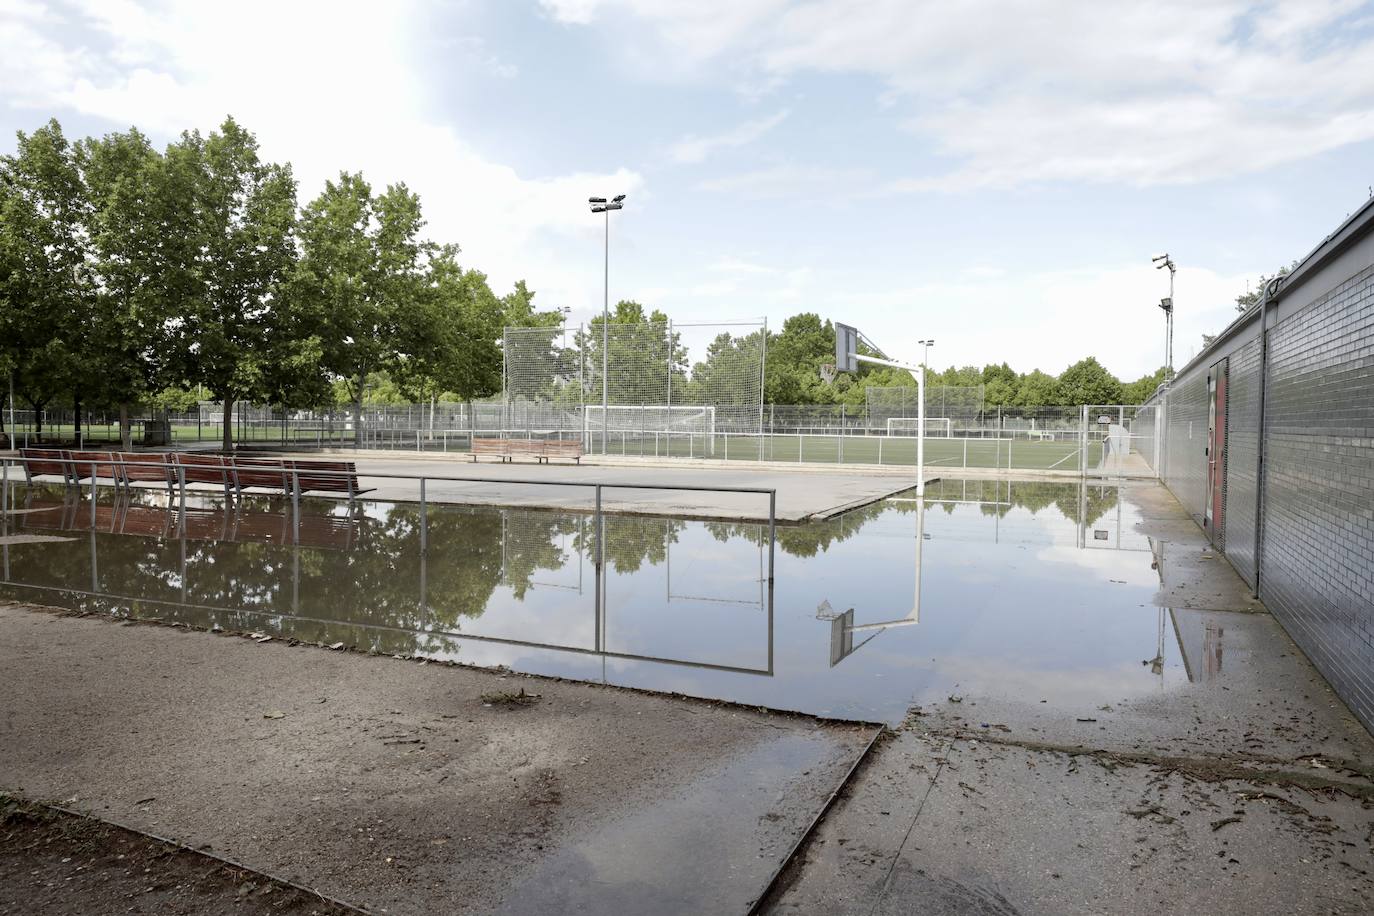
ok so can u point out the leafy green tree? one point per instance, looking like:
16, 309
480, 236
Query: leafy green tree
48, 284
638, 357
1087, 382
1039, 389
1139, 391
141, 238
449, 342
241, 252
365, 267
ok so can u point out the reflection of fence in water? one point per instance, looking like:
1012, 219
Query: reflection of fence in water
671, 596
527, 535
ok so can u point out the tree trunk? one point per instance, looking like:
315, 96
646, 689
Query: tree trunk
358, 413
126, 432
76, 423
227, 443
37, 420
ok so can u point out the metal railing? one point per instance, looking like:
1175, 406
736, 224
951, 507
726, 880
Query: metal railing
295, 492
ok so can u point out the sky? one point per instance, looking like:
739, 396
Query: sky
993, 175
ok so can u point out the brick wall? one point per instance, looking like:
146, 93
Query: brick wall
1317, 550
1242, 458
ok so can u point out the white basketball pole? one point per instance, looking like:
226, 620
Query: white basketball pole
920, 373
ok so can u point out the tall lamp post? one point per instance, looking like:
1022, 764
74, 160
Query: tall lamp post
1162, 261
601, 205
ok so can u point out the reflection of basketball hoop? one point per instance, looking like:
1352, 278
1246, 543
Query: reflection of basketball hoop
828, 373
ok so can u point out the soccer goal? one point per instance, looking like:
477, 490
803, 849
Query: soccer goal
936, 427
633, 422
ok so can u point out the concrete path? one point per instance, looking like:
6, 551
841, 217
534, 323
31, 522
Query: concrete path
1252, 791
409, 787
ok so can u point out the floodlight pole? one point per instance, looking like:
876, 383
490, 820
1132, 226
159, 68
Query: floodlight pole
601, 205
1161, 262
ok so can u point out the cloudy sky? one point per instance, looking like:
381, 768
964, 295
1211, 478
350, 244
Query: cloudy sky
996, 175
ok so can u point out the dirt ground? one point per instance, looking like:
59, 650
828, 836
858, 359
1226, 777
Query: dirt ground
406, 786
54, 864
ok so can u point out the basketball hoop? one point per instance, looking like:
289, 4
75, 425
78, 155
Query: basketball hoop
828, 373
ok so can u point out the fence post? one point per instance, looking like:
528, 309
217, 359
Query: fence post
772, 528
424, 520
600, 537
181, 479
295, 507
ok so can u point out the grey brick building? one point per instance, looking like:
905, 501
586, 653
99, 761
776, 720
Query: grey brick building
1268, 440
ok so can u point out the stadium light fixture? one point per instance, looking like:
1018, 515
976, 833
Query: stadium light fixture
599, 205
1161, 262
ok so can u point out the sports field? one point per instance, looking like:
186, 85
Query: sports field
1023, 454
895, 450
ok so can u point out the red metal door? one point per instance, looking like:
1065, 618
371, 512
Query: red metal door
1216, 453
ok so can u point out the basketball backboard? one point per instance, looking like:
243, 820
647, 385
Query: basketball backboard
846, 345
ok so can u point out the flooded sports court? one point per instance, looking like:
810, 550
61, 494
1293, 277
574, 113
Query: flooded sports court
1021, 589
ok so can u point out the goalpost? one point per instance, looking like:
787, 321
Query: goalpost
936, 427
633, 421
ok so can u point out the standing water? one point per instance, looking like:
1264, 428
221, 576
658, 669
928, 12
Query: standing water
1014, 589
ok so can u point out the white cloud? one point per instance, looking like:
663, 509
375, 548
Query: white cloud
789, 180
693, 149
1170, 92
1050, 319
328, 87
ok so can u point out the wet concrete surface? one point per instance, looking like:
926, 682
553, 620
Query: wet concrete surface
409, 787
801, 494
1251, 790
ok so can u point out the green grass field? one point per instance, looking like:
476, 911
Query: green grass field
897, 450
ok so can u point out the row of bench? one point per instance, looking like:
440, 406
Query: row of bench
541, 450
169, 468
127, 517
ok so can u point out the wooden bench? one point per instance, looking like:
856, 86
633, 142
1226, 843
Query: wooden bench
143, 467
541, 450
326, 477
559, 448
104, 462
210, 469
268, 473
46, 462
497, 447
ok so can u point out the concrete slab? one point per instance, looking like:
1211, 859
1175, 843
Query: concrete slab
1249, 790
408, 787
801, 494
967, 826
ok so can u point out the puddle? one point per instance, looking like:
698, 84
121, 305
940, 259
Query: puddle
1023, 590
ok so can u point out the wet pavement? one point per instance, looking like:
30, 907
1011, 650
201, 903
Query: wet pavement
1080, 688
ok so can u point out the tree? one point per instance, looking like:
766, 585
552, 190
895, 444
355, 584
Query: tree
449, 344
141, 226
1087, 382
1139, 391
48, 284
244, 217
364, 266
638, 364
1252, 296
1039, 389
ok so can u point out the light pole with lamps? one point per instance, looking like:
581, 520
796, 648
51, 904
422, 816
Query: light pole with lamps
1162, 261
601, 205
921, 408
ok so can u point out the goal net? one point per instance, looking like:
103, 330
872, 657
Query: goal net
936, 427
642, 420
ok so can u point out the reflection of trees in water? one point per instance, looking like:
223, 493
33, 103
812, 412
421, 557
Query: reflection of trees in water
632, 541
998, 498
375, 580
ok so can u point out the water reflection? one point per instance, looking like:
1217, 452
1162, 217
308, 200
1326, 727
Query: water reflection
987, 585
